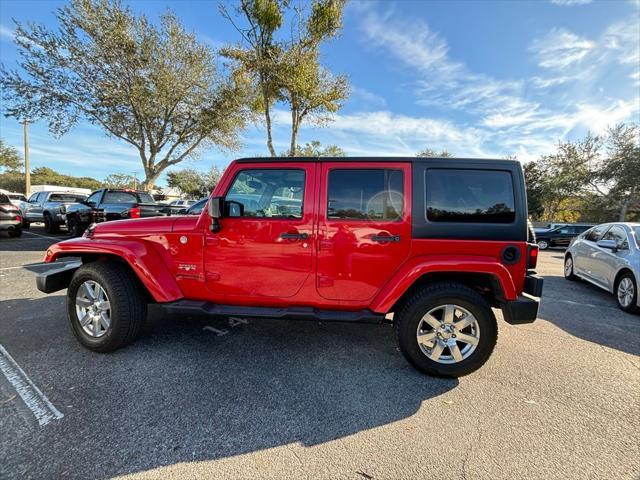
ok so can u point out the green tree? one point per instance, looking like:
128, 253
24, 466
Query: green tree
120, 180
535, 180
194, 183
429, 153
154, 87
10, 159
288, 70
14, 180
315, 149
621, 170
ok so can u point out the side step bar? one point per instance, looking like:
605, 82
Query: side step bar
192, 307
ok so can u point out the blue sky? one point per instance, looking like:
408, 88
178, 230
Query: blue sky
478, 78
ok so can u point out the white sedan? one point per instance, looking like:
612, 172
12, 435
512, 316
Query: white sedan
608, 256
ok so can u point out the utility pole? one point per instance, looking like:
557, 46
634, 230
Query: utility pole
27, 171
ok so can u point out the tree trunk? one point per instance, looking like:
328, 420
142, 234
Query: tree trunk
267, 118
151, 175
623, 209
294, 133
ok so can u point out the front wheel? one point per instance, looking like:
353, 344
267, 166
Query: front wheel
446, 330
49, 225
627, 293
106, 306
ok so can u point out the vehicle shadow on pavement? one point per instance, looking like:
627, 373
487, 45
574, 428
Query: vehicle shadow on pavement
199, 389
585, 311
27, 244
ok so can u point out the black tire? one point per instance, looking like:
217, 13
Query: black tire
15, 232
633, 306
408, 318
25, 224
49, 225
75, 230
568, 269
127, 300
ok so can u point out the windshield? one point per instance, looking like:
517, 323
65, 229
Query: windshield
17, 196
636, 232
66, 197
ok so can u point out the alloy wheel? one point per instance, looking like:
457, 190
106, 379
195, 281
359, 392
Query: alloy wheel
448, 334
626, 291
93, 309
568, 267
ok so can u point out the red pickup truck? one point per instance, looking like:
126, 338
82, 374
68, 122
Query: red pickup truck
437, 243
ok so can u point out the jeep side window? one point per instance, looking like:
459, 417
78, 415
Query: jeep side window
474, 196
270, 193
595, 233
371, 194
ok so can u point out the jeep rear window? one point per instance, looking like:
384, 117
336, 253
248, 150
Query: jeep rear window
371, 194
470, 196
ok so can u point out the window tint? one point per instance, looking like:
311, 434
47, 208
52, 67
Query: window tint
596, 233
17, 196
565, 230
269, 193
636, 231
618, 234
33, 198
66, 197
144, 197
4, 199
94, 197
479, 196
371, 194
196, 208
120, 197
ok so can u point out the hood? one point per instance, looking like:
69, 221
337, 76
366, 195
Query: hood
135, 226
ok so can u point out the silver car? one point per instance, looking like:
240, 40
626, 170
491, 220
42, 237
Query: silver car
608, 256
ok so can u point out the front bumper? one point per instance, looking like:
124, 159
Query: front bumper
57, 278
525, 308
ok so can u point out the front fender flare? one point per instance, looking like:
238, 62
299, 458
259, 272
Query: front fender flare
145, 261
410, 272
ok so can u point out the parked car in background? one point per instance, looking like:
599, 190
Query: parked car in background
109, 204
194, 209
46, 207
15, 198
559, 236
10, 217
553, 226
176, 206
608, 256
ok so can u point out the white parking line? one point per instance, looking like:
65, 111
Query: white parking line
31, 395
41, 236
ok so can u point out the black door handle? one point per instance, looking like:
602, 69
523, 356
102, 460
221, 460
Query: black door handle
385, 238
294, 236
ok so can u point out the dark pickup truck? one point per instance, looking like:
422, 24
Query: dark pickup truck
110, 204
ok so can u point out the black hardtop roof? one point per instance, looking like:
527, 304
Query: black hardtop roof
376, 159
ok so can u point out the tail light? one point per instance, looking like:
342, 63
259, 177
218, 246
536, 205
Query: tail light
532, 257
18, 218
134, 212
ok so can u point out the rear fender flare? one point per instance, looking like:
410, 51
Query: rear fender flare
143, 259
417, 267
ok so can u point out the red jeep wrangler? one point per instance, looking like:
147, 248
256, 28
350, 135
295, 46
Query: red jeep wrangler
436, 242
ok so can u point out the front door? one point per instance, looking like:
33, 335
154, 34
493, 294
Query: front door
364, 229
265, 246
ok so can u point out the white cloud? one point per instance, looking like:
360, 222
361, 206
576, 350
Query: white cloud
622, 39
570, 3
6, 32
560, 49
365, 96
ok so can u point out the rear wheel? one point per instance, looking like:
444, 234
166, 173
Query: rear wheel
543, 244
15, 232
26, 224
106, 306
627, 293
568, 268
446, 330
49, 225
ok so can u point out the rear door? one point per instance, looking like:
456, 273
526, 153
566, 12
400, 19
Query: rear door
563, 236
364, 229
586, 251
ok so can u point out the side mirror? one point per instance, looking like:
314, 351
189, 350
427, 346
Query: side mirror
215, 208
609, 244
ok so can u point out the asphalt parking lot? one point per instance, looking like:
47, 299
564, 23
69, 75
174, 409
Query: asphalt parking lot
560, 398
